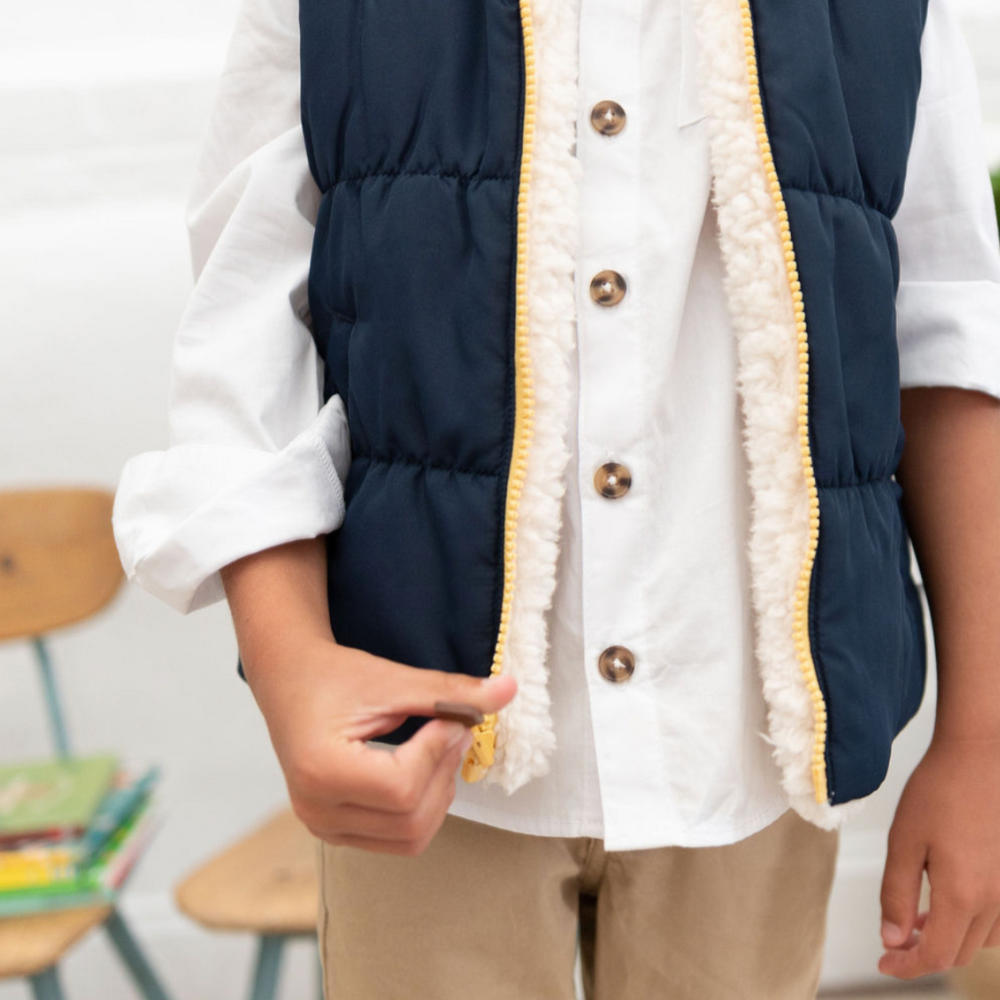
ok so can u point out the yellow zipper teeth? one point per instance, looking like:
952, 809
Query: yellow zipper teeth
480, 754
801, 619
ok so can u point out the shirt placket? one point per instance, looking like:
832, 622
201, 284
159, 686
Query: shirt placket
613, 464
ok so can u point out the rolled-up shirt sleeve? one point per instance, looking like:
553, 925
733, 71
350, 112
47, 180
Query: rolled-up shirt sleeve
948, 305
255, 458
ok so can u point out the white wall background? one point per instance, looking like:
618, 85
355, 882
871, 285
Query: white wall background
103, 106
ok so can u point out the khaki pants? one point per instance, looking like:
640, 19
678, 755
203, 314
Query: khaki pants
486, 914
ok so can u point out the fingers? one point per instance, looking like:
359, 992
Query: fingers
979, 931
946, 929
406, 833
914, 937
396, 781
420, 756
993, 938
901, 881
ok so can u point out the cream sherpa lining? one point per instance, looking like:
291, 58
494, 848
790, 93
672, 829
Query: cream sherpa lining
761, 307
525, 737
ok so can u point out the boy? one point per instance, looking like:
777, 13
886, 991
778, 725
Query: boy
481, 227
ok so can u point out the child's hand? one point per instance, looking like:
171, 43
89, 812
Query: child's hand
948, 820
322, 701
325, 700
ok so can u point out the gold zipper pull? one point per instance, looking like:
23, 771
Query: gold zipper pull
479, 756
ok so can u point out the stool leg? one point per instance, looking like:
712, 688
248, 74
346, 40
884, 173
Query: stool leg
265, 979
134, 959
45, 985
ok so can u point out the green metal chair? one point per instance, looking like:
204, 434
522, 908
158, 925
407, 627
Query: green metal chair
59, 565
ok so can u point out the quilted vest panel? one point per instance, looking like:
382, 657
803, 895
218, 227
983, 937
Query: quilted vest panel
412, 116
840, 80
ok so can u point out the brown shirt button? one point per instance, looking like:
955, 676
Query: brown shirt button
607, 288
607, 117
612, 480
616, 663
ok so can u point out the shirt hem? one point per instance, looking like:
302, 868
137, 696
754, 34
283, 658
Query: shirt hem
649, 837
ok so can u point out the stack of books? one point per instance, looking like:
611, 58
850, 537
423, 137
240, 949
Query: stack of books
71, 830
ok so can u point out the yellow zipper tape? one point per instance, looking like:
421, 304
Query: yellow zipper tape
480, 755
801, 619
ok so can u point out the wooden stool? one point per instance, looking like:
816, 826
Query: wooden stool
58, 565
31, 946
265, 884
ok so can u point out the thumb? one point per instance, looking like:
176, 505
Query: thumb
900, 896
416, 691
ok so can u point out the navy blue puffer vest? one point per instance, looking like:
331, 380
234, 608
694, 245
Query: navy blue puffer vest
416, 117
840, 84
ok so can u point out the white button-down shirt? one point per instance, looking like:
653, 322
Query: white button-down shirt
676, 753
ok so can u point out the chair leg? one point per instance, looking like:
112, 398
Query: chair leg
134, 958
319, 976
265, 978
52, 700
45, 985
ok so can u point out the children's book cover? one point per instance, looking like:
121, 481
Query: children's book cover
41, 795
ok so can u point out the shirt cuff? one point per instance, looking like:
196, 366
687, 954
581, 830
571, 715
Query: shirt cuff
949, 334
182, 514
